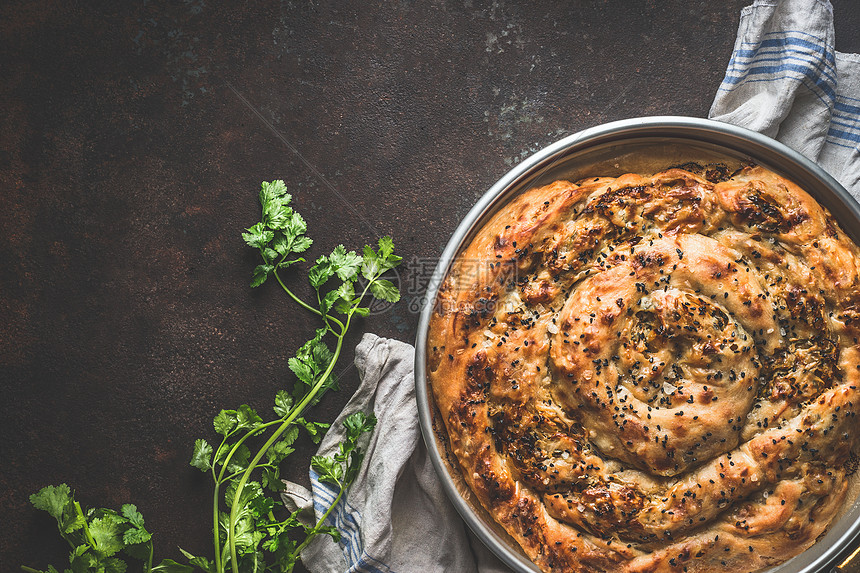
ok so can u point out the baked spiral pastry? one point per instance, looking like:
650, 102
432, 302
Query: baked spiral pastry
654, 373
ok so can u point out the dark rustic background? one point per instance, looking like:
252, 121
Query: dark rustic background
133, 140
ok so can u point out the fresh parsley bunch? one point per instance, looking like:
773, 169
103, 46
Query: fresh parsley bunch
101, 539
251, 531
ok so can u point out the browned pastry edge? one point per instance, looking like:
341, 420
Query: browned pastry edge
508, 388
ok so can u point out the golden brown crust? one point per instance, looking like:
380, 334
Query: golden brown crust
651, 373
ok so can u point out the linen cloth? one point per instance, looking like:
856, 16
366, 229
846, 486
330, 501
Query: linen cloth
396, 517
785, 80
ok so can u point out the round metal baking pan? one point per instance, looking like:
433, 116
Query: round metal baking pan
633, 145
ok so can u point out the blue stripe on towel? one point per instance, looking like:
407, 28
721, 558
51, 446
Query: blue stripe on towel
827, 73
809, 83
346, 519
784, 43
785, 56
793, 55
847, 108
802, 57
845, 123
813, 67
788, 37
818, 40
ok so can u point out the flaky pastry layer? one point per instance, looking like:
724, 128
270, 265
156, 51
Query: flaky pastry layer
654, 373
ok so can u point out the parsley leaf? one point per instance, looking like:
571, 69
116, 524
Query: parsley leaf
196, 561
247, 417
279, 233
315, 430
386, 249
342, 468
282, 448
321, 272
58, 501
301, 244
345, 264
53, 499
136, 534
384, 289
202, 456
261, 273
356, 424
225, 422
329, 469
274, 200
107, 534
258, 236
375, 264
239, 460
309, 364
171, 566
283, 403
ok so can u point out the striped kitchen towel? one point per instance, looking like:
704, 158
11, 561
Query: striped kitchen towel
786, 80
396, 517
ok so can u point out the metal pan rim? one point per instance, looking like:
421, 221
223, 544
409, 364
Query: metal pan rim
755, 145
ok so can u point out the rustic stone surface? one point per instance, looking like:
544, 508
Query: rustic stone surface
133, 140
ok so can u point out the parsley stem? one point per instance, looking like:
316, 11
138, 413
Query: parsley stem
219, 479
313, 532
295, 298
243, 481
236, 474
87, 533
215, 499
303, 304
273, 524
253, 432
148, 568
316, 529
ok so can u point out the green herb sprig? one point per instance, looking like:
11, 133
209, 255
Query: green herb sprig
245, 464
100, 539
249, 527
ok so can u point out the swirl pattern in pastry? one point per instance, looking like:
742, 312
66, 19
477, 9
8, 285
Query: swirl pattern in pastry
658, 372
